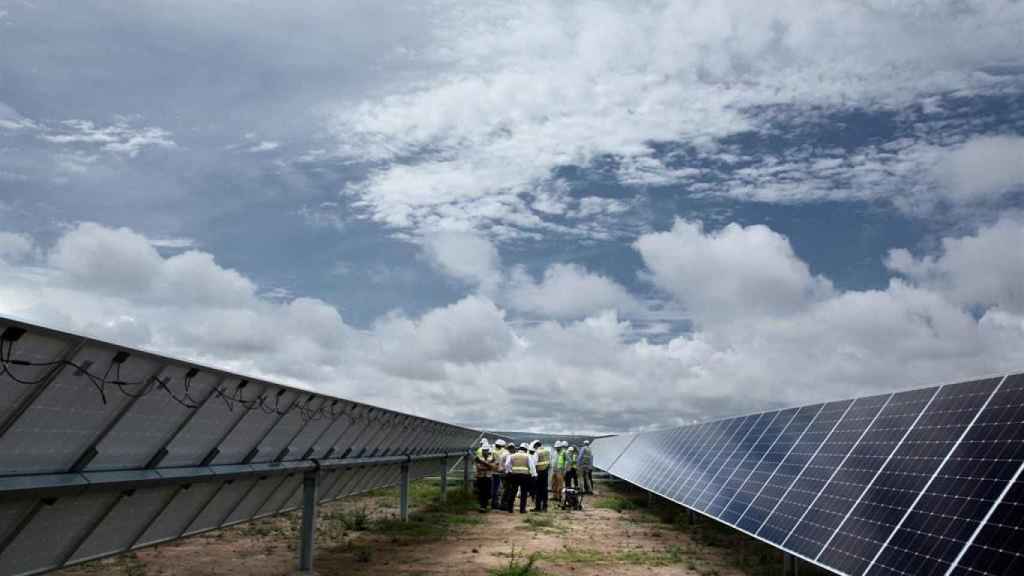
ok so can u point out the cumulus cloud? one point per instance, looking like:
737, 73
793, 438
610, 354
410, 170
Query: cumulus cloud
525, 89
567, 291
985, 269
466, 256
984, 168
767, 331
730, 274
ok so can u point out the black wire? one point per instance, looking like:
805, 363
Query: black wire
325, 410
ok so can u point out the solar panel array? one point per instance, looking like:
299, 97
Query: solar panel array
918, 482
104, 449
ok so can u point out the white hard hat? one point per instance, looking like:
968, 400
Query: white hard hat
499, 442
535, 444
484, 442
524, 446
586, 442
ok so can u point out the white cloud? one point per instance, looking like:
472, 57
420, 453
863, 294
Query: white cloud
121, 137
984, 168
173, 243
10, 119
466, 256
567, 291
524, 89
121, 262
985, 269
774, 334
265, 146
730, 274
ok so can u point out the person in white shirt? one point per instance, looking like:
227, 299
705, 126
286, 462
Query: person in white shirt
521, 471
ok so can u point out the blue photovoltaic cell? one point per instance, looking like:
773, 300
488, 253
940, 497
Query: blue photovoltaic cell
688, 460
882, 506
861, 465
749, 487
743, 461
998, 548
681, 444
711, 451
927, 481
660, 465
742, 439
753, 519
963, 491
691, 465
801, 495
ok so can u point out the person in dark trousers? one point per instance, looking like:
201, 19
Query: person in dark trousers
542, 462
485, 467
586, 468
570, 468
519, 475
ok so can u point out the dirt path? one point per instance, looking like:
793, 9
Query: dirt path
615, 534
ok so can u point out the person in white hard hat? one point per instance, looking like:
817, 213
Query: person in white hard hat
520, 474
558, 470
542, 461
498, 478
585, 462
485, 467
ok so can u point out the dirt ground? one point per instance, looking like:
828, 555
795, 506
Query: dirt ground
618, 532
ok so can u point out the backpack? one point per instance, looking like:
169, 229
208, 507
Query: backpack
572, 500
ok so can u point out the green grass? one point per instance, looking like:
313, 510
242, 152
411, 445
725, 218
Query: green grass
618, 503
518, 567
433, 520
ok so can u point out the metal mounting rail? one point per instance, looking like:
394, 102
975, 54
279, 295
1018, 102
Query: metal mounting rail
54, 484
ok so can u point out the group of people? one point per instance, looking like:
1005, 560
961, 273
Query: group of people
505, 471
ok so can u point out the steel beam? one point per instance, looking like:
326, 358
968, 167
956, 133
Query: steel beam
444, 479
403, 498
308, 533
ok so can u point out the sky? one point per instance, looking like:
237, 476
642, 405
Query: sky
569, 217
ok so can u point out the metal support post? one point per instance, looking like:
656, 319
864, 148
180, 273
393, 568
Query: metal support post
650, 499
465, 474
789, 567
404, 493
308, 534
690, 518
444, 479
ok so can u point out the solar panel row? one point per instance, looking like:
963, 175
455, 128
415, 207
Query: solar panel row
105, 449
924, 481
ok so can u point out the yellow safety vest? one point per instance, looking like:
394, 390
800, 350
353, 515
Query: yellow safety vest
499, 457
543, 459
520, 463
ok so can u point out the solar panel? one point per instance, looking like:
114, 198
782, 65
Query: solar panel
925, 481
104, 448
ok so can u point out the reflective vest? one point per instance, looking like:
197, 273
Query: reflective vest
587, 458
560, 461
572, 459
499, 457
543, 459
520, 463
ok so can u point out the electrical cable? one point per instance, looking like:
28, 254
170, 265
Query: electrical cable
141, 388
